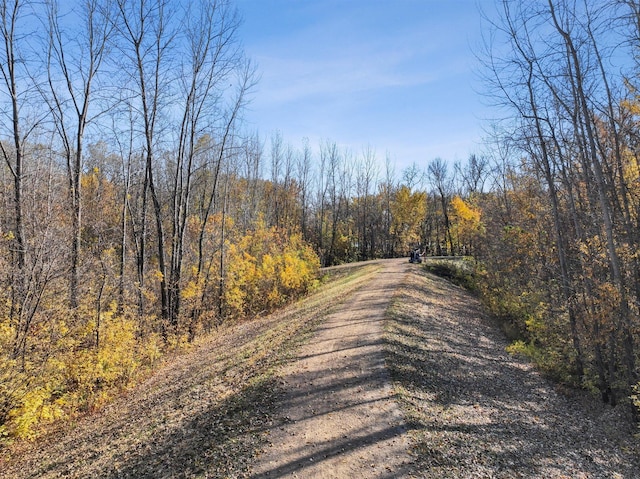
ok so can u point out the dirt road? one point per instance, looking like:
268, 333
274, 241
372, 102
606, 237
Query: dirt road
469, 409
256, 401
338, 415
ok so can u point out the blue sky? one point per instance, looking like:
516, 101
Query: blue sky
396, 75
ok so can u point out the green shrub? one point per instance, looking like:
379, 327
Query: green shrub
461, 272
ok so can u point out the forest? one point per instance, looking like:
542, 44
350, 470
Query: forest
139, 213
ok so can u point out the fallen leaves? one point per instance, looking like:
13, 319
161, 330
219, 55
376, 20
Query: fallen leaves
477, 412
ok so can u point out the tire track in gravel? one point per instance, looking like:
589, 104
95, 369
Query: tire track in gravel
338, 416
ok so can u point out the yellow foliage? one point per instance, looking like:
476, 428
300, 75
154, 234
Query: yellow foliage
151, 350
294, 273
116, 362
157, 274
7, 333
78, 377
467, 226
465, 211
36, 407
25, 400
408, 211
191, 290
266, 268
84, 360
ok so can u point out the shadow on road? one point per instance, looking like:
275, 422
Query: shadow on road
338, 415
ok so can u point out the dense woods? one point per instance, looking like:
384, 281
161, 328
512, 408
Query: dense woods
566, 73
138, 211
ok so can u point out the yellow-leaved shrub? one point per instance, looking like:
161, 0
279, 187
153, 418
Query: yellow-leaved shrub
265, 269
79, 377
75, 363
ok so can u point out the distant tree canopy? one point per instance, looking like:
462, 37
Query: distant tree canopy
137, 213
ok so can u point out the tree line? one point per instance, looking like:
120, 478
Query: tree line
566, 210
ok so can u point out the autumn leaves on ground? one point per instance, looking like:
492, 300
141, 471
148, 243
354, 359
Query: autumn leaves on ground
467, 408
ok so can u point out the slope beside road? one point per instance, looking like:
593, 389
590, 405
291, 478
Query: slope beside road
477, 412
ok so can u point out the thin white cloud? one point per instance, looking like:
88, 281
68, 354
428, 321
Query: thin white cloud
337, 56
291, 79
368, 73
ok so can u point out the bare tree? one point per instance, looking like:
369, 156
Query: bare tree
366, 177
147, 30
322, 187
210, 30
442, 183
388, 188
18, 124
72, 73
225, 149
473, 173
556, 79
413, 176
304, 178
